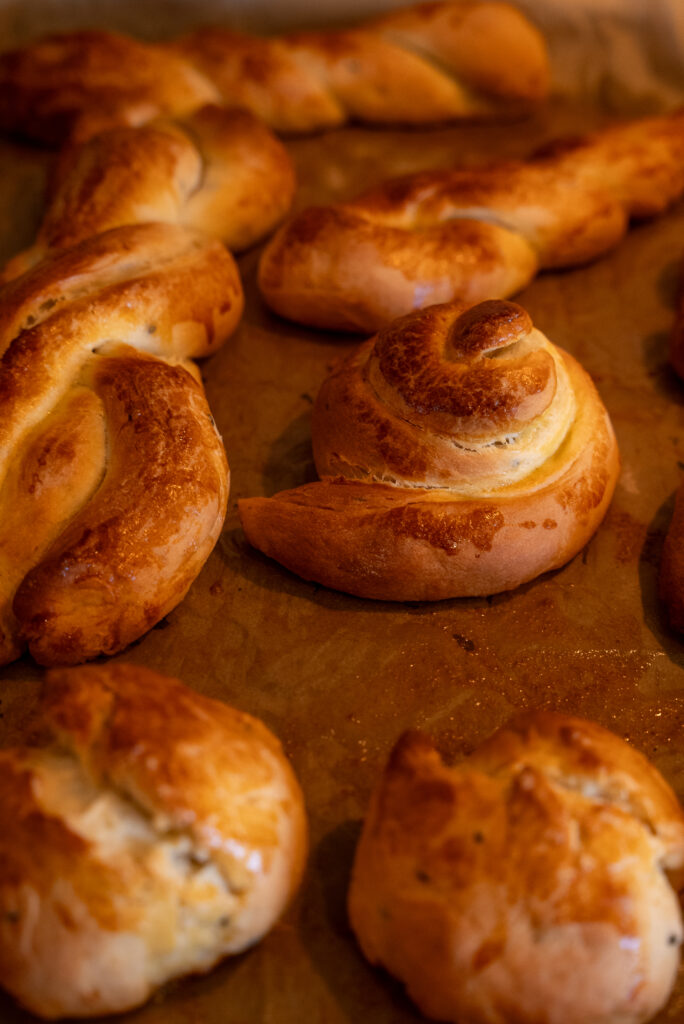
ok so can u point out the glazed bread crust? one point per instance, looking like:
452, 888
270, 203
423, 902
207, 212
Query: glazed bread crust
108, 519
461, 454
527, 884
429, 62
470, 234
171, 832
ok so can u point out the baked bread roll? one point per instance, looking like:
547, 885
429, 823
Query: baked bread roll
671, 581
470, 234
528, 883
429, 62
461, 454
424, 63
171, 832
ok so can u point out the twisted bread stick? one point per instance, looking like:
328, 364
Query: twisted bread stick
430, 62
534, 881
113, 479
220, 171
461, 454
467, 235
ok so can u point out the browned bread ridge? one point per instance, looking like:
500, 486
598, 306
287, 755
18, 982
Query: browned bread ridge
529, 882
155, 832
113, 478
424, 63
470, 234
460, 453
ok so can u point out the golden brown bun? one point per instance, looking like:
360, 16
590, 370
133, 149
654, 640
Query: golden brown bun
470, 234
114, 481
672, 566
220, 171
461, 454
424, 63
526, 884
158, 832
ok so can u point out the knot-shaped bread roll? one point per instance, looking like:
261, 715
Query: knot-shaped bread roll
527, 883
470, 234
429, 62
113, 478
154, 832
460, 453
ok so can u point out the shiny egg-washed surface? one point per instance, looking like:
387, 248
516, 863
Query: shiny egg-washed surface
339, 678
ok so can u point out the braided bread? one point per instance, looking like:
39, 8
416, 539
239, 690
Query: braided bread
220, 171
430, 62
527, 883
113, 479
425, 63
461, 454
470, 234
171, 832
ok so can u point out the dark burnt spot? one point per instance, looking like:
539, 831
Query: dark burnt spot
478, 837
47, 305
463, 642
549, 524
151, 328
585, 756
422, 876
442, 528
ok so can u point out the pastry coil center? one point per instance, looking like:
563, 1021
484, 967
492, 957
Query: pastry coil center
468, 398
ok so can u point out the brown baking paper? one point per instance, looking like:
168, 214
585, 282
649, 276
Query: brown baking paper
339, 678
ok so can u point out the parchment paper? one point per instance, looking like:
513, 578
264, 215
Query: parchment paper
339, 678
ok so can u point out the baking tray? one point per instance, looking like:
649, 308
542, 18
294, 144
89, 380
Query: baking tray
339, 678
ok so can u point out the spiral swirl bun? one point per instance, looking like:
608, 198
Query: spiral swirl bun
460, 452
470, 234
